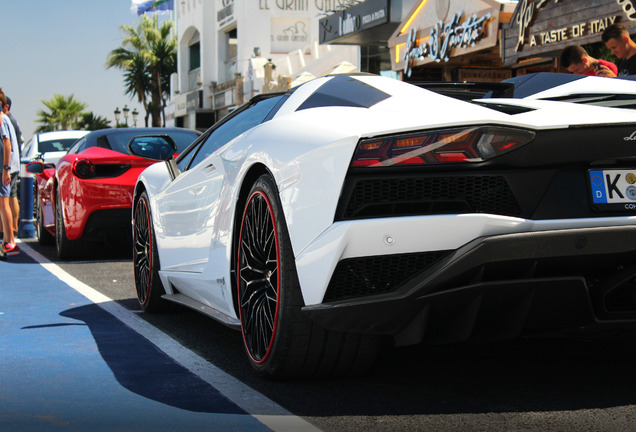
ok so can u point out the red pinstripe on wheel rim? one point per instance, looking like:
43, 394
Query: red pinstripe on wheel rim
258, 277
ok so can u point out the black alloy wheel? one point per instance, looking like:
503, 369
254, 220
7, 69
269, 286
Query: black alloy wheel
279, 340
146, 260
259, 277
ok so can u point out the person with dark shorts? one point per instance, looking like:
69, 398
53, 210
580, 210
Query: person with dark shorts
15, 177
10, 161
14, 204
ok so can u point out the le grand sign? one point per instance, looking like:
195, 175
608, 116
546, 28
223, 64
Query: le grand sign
541, 26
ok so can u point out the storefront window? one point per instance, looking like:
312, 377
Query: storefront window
231, 54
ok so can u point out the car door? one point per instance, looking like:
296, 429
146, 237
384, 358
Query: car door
67, 185
188, 207
188, 211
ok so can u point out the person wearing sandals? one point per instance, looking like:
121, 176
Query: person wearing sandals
10, 161
15, 182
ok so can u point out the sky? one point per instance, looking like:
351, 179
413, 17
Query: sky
61, 46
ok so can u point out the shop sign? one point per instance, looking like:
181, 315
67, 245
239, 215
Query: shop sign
443, 38
186, 103
540, 26
289, 34
629, 8
570, 32
354, 20
525, 15
225, 12
320, 6
180, 105
193, 101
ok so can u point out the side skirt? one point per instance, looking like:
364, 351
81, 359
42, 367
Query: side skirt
227, 320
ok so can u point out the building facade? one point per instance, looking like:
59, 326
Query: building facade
231, 50
368, 24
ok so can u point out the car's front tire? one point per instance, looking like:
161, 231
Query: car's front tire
279, 340
146, 260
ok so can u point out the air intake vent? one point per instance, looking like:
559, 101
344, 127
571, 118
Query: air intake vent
360, 277
411, 196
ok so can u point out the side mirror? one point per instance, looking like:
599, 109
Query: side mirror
35, 167
155, 147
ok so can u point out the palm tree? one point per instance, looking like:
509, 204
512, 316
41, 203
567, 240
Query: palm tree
46, 123
136, 76
91, 122
62, 113
147, 56
163, 61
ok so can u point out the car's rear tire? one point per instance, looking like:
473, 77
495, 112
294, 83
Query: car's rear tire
44, 237
66, 249
146, 260
279, 340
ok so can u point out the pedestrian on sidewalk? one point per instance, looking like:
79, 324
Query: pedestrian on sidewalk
577, 61
15, 182
617, 39
10, 163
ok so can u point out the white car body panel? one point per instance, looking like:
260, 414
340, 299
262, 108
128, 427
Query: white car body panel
589, 85
308, 152
353, 239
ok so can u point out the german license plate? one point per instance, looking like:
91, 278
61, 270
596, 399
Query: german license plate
613, 189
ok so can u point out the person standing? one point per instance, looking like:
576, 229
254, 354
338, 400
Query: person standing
10, 163
617, 39
15, 182
577, 61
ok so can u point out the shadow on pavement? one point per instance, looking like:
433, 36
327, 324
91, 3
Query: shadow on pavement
142, 368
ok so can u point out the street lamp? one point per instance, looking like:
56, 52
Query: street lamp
135, 116
117, 116
126, 110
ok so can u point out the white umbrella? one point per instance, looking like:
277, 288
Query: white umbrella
302, 78
343, 67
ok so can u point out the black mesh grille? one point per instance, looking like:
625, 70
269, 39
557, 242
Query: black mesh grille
401, 196
109, 170
359, 277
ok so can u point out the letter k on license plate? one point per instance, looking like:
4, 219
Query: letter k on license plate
613, 189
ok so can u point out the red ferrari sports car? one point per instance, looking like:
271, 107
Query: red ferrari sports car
87, 196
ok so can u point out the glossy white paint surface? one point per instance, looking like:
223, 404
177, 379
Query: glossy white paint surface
388, 236
308, 153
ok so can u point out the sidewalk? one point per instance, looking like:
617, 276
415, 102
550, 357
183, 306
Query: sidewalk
68, 364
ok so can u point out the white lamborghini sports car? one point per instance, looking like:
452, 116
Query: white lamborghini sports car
358, 210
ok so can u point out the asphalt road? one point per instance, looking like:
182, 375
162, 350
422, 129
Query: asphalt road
575, 382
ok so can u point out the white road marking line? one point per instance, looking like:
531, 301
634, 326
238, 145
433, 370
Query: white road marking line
254, 403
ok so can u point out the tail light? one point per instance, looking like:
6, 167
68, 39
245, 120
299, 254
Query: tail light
457, 145
83, 168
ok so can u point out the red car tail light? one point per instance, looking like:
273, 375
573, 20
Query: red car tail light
457, 145
83, 168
